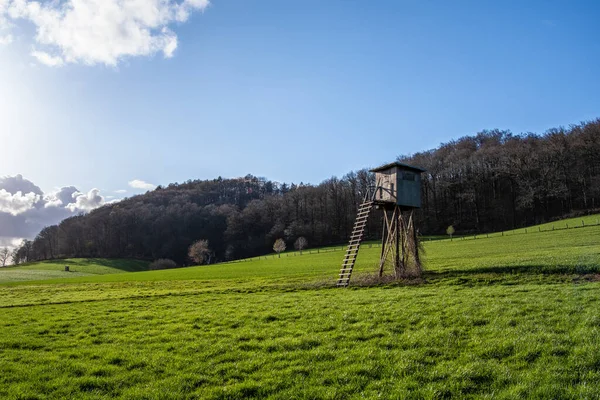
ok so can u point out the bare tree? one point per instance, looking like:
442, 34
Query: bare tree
23, 253
300, 244
279, 246
450, 231
15, 256
199, 252
4, 254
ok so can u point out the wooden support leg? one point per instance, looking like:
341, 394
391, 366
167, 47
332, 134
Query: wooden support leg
383, 247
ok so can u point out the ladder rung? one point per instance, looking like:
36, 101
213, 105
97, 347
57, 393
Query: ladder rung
346, 269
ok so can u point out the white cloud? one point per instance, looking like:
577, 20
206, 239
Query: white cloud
14, 184
139, 184
25, 209
10, 242
47, 59
61, 197
120, 191
101, 31
86, 202
17, 203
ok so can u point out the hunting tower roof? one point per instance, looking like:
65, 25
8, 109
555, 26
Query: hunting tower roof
398, 164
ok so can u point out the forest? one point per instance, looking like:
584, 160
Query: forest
491, 181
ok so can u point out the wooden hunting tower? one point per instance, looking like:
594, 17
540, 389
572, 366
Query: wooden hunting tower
398, 184
397, 192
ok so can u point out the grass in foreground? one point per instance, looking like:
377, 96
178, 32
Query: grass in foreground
528, 341
505, 317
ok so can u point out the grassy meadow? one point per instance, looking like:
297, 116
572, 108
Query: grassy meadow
55, 269
505, 316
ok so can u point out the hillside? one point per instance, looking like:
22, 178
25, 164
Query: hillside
553, 255
55, 269
488, 182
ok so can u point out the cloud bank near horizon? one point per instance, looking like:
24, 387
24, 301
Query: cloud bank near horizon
92, 32
25, 209
140, 184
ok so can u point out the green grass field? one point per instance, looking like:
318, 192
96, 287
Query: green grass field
55, 269
513, 316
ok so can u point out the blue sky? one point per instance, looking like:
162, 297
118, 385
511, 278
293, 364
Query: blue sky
295, 91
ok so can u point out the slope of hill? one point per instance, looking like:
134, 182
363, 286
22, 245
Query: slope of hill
488, 182
55, 269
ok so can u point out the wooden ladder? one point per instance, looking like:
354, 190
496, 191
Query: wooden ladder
353, 245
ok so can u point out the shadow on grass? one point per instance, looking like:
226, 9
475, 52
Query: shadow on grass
511, 275
500, 275
520, 269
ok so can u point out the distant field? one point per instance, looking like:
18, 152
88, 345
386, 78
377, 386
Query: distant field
78, 267
513, 316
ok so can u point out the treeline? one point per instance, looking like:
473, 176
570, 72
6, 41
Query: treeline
496, 180
239, 218
491, 181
